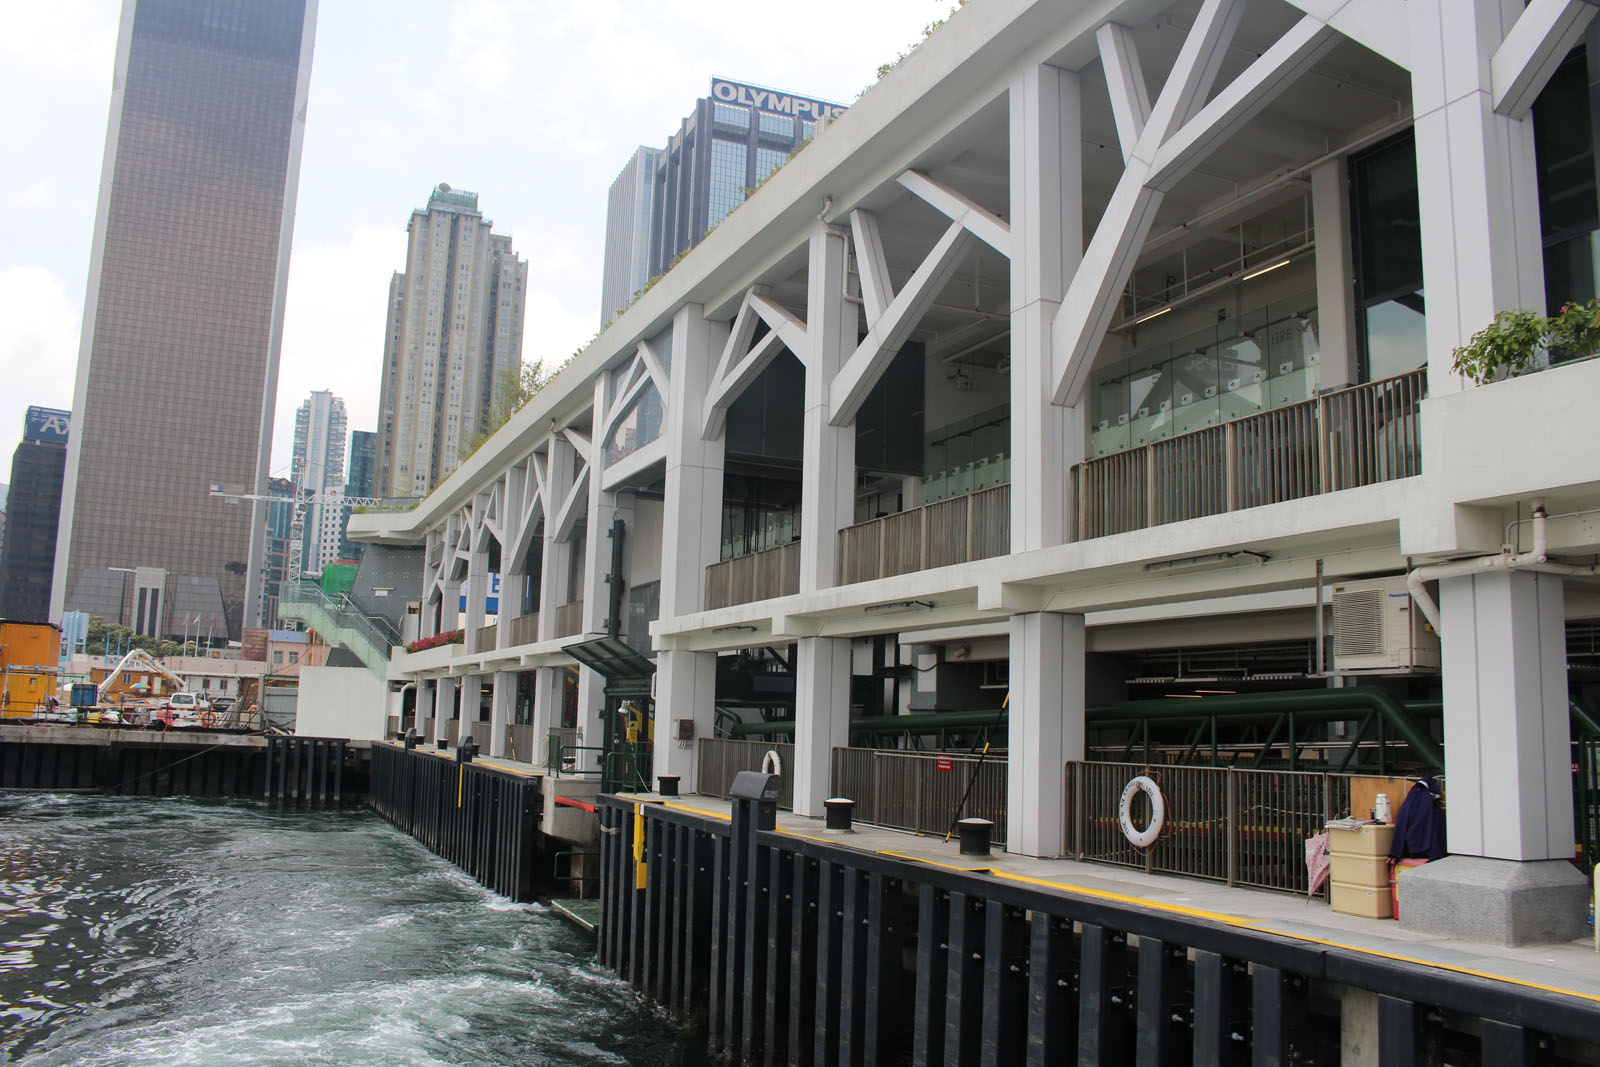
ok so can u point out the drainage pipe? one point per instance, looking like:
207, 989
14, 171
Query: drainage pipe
1536, 560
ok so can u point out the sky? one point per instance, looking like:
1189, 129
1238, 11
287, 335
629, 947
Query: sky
535, 106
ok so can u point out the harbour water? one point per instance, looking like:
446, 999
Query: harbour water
168, 931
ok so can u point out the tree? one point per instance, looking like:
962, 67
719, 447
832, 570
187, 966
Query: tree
514, 387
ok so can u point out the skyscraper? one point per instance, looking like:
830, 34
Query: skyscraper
178, 361
629, 208
33, 506
665, 200
358, 483
318, 470
454, 327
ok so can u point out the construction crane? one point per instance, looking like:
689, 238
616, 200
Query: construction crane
303, 498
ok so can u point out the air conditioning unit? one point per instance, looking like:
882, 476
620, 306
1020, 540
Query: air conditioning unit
1377, 628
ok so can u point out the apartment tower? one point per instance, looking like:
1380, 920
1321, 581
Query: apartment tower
318, 470
454, 328
178, 360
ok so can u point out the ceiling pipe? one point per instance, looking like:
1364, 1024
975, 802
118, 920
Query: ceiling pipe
1537, 560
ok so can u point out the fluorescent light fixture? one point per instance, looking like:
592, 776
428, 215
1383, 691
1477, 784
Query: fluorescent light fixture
1210, 559
733, 629
1264, 270
1157, 314
1184, 696
900, 605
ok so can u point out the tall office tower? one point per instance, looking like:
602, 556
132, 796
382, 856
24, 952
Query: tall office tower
358, 483
628, 213
664, 201
33, 508
178, 361
318, 470
454, 328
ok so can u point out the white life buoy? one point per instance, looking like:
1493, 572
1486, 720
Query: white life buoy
1158, 811
772, 763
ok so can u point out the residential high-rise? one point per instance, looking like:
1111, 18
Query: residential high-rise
178, 361
664, 201
33, 507
358, 483
318, 470
454, 328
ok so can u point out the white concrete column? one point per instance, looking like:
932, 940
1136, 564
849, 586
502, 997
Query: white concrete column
471, 699
503, 702
444, 707
1507, 738
1330, 218
691, 536
449, 605
554, 574
1045, 729
424, 710
1481, 247
822, 718
1047, 231
827, 492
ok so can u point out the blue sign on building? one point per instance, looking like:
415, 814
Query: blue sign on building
46, 424
491, 604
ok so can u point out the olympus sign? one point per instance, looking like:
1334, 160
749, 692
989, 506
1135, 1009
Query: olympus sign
727, 92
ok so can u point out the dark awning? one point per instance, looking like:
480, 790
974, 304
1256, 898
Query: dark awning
626, 672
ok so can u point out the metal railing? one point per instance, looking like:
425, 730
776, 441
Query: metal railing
524, 629
961, 529
370, 637
563, 759
921, 791
1241, 827
1357, 436
772, 572
569, 619
721, 759
486, 638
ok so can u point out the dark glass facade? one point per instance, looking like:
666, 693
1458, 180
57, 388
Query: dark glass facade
177, 385
33, 507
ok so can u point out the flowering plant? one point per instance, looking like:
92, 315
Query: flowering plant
449, 637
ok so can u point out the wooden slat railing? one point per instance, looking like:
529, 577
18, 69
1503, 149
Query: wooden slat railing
772, 572
485, 638
958, 530
1358, 436
569, 619
524, 629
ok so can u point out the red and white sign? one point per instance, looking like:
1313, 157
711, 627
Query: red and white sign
944, 763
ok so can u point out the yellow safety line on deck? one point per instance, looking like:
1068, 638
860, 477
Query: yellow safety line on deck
697, 811
1237, 921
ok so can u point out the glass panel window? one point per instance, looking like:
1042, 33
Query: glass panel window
1388, 254
640, 426
1569, 210
767, 161
729, 115
728, 160
779, 124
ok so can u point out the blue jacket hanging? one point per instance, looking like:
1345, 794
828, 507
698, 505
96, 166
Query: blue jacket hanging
1419, 825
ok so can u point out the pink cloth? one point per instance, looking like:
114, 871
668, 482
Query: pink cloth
1318, 862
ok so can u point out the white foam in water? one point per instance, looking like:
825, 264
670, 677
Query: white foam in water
214, 934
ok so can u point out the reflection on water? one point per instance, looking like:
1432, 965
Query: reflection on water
158, 931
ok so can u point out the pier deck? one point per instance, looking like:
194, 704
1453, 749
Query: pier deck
1572, 968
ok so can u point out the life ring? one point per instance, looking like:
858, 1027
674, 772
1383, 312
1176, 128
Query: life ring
772, 763
1158, 811
208, 719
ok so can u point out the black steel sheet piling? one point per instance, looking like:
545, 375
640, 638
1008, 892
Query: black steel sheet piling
801, 952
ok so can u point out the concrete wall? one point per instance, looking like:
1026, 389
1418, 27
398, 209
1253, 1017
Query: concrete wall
341, 702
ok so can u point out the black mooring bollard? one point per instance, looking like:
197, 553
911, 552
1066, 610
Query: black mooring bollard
668, 786
839, 812
411, 739
444, 744
974, 835
466, 750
